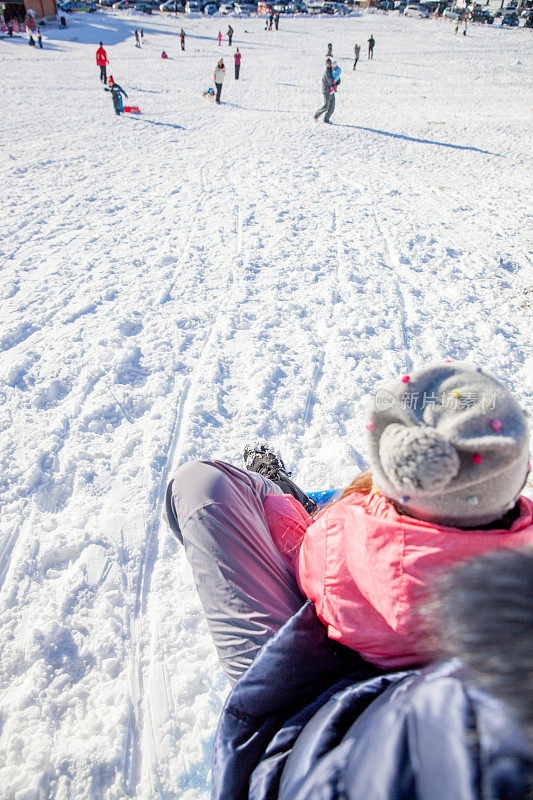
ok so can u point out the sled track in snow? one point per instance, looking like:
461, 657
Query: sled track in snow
176, 442
393, 263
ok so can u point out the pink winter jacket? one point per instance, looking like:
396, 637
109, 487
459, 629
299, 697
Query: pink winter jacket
367, 568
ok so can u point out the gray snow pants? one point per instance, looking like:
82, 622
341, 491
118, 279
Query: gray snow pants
328, 107
245, 587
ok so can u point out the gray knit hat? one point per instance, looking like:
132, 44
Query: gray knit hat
450, 444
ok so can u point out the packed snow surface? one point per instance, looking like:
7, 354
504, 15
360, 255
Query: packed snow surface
176, 284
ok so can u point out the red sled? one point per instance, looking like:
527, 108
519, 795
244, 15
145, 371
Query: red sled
132, 109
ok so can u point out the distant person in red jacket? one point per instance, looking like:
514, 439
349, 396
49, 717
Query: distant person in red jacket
237, 58
101, 61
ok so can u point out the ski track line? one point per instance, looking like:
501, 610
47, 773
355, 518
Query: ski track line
133, 756
176, 444
187, 399
165, 294
335, 280
393, 263
179, 429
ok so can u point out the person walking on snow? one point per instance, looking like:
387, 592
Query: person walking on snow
116, 92
101, 61
182, 39
142, 33
40, 39
220, 73
330, 50
137, 41
237, 58
219, 37
276, 21
329, 87
230, 34
371, 43
357, 50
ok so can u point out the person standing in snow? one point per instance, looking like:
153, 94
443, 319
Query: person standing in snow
220, 73
371, 43
357, 50
137, 41
270, 21
330, 50
40, 39
230, 34
329, 87
276, 21
219, 37
142, 33
116, 92
101, 61
182, 39
237, 58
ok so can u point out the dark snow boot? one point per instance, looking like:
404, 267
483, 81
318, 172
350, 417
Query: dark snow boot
259, 458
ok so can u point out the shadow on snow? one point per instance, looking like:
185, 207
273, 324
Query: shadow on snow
415, 139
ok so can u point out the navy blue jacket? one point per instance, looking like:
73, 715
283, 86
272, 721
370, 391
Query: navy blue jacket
310, 720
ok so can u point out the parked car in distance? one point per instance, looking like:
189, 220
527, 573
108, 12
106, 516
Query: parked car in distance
480, 15
331, 7
415, 11
244, 9
77, 5
174, 6
511, 19
210, 8
453, 13
122, 4
106, 2
226, 8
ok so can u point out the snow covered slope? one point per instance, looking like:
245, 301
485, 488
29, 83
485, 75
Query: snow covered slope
176, 284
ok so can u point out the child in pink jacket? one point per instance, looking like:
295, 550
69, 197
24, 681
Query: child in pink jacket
448, 450
449, 454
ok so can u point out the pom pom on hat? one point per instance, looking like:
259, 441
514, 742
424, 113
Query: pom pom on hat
417, 458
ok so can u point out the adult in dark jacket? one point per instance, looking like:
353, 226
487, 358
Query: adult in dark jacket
182, 39
328, 90
229, 34
309, 718
371, 43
